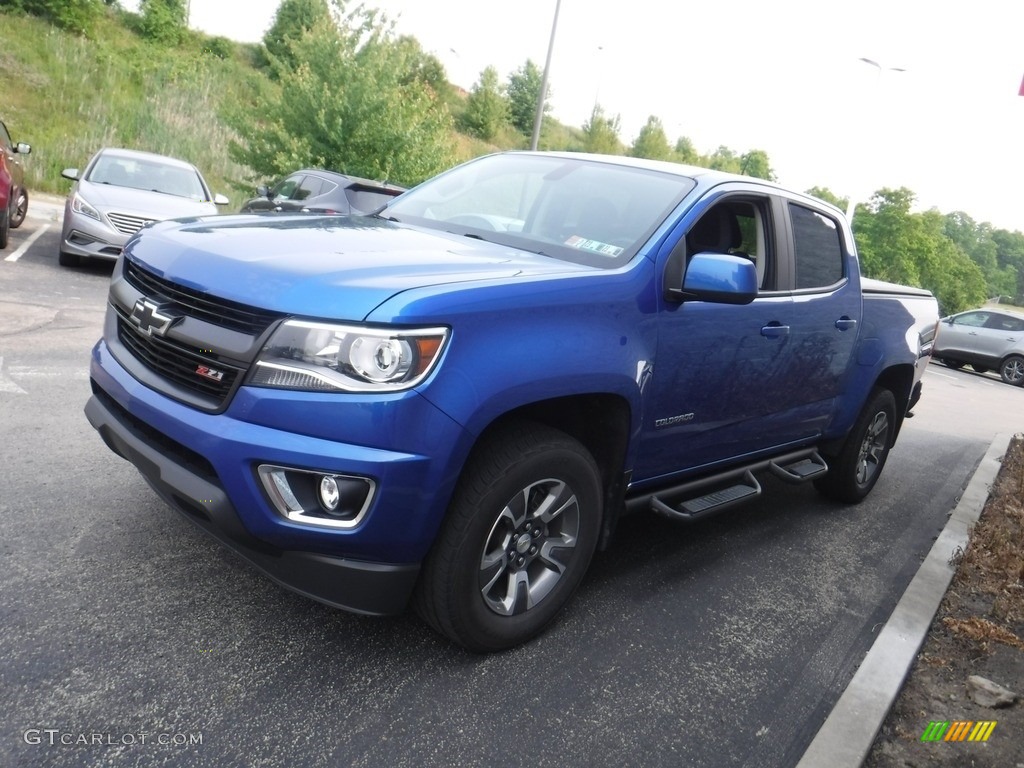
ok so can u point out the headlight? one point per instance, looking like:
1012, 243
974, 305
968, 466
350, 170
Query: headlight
78, 205
324, 358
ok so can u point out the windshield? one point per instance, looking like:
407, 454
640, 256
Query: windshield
143, 174
576, 209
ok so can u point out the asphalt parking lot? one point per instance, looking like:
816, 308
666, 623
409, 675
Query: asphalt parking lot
127, 638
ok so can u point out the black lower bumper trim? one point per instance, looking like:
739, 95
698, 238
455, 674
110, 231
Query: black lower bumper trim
354, 585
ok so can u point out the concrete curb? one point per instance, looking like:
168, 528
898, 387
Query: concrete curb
849, 732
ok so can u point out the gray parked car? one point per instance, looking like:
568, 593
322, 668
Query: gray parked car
120, 192
988, 339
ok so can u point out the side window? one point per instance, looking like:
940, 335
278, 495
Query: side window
1004, 323
971, 319
818, 252
737, 227
5, 137
285, 189
310, 187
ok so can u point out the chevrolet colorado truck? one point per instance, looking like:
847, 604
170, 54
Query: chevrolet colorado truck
451, 402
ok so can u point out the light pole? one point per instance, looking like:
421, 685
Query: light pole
539, 116
851, 206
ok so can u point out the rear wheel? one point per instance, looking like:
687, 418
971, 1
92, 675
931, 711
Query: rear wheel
1012, 370
855, 470
20, 208
520, 533
980, 368
5, 227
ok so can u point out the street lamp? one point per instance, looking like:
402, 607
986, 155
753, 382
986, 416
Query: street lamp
539, 116
851, 206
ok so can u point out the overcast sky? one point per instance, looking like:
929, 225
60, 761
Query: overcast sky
782, 76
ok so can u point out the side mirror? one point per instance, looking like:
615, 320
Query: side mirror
719, 278
263, 191
220, 200
22, 148
70, 173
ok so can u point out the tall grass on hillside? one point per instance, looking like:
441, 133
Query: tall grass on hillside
116, 90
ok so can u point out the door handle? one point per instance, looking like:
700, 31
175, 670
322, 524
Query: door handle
775, 330
845, 323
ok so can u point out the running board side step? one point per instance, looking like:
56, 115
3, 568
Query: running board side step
701, 498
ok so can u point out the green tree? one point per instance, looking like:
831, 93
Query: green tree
1010, 250
724, 159
651, 142
523, 93
826, 194
294, 18
601, 133
163, 21
755, 163
76, 16
423, 67
903, 247
351, 105
486, 107
685, 152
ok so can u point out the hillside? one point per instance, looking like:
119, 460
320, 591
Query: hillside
69, 95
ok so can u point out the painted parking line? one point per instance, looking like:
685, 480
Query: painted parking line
28, 243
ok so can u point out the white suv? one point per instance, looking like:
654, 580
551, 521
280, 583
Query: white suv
986, 339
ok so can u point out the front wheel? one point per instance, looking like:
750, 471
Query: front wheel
954, 364
520, 533
1012, 370
855, 470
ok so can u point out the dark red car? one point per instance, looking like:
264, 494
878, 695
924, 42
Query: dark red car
13, 195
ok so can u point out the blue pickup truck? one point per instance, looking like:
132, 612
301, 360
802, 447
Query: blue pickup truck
451, 402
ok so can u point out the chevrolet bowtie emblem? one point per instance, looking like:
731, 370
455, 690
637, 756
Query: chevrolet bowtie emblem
150, 319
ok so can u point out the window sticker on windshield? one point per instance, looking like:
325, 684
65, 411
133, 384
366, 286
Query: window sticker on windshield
594, 246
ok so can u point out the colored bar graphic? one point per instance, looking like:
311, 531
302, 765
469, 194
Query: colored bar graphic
958, 730
935, 731
982, 731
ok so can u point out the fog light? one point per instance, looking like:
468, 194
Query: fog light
317, 498
330, 494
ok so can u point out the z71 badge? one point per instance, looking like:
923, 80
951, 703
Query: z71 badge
209, 373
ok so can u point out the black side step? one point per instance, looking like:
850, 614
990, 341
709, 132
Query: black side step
694, 508
800, 471
696, 499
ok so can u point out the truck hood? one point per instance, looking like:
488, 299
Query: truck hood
323, 266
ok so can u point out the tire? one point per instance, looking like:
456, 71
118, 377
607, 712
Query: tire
20, 208
1011, 370
954, 364
980, 368
520, 533
5, 227
69, 259
855, 470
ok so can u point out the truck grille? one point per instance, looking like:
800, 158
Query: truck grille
193, 303
127, 224
177, 364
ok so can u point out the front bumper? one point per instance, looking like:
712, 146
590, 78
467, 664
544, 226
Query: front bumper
204, 466
87, 238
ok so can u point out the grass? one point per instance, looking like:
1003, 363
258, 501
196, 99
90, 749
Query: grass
119, 90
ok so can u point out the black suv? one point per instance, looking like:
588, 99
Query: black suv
319, 191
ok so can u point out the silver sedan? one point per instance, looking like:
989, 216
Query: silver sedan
120, 192
987, 339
